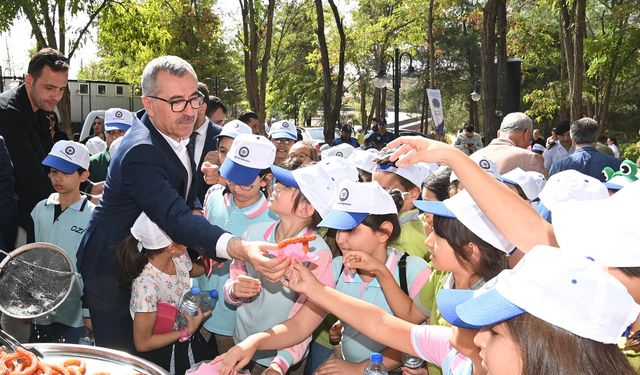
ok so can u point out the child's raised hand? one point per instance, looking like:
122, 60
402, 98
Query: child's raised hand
237, 357
299, 278
210, 173
356, 259
416, 149
246, 287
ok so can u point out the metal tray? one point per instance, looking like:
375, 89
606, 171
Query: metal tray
98, 359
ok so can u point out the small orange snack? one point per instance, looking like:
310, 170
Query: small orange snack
294, 240
296, 248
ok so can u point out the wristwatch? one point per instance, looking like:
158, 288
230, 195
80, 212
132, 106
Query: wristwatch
184, 334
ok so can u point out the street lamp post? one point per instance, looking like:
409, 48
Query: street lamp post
381, 80
216, 83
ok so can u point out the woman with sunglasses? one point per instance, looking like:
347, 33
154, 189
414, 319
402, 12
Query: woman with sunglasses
54, 128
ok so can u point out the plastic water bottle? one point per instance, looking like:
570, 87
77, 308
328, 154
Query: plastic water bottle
189, 303
375, 366
87, 338
209, 300
412, 362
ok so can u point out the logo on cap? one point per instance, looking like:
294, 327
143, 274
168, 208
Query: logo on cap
344, 195
118, 114
484, 164
285, 124
69, 150
339, 153
243, 151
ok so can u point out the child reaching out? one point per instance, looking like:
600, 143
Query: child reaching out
158, 271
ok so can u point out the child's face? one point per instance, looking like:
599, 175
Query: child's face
388, 181
282, 198
224, 144
499, 352
361, 238
428, 195
65, 183
246, 193
442, 254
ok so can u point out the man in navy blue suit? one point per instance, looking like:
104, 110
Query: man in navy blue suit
152, 172
205, 142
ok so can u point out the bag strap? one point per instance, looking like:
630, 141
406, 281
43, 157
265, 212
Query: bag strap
402, 273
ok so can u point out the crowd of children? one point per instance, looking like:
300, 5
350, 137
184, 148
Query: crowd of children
421, 250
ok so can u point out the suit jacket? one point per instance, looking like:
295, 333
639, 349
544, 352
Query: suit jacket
210, 144
28, 140
8, 202
508, 156
145, 174
587, 160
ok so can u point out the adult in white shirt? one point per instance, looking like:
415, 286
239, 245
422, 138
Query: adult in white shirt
560, 149
613, 145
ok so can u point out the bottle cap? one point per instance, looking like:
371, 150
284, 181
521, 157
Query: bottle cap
213, 294
195, 290
376, 357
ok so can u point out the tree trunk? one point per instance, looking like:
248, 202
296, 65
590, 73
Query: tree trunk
256, 86
578, 55
432, 50
488, 48
339, 84
501, 52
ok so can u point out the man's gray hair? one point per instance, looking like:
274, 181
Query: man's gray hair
584, 131
516, 122
175, 65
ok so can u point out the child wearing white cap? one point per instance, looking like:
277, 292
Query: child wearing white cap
580, 221
158, 271
283, 134
240, 204
365, 216
117, 122
224, 140
62, 220
409, 182
299, 200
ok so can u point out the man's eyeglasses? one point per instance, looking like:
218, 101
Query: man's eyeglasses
180, 105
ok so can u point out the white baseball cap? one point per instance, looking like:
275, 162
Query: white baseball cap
67, 157
149, 234
485, 163
234, 127
530, 182
605, 230
319, 182
117, 119
570, 186
249, 154
415, 173
356, 201
343, 150
364, 159
462, 207
538, 148
283, 129
96, 145
559, 287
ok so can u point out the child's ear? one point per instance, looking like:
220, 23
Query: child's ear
384, 231
266, 180
84, 176
306, 210
473, 250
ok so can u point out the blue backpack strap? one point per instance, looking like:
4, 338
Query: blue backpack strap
448, 360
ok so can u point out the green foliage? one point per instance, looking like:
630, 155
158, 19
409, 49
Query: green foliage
134, 32
630, 151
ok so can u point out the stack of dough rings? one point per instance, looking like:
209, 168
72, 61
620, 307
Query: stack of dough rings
23, 362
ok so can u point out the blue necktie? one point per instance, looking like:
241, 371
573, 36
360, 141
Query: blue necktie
191, 147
